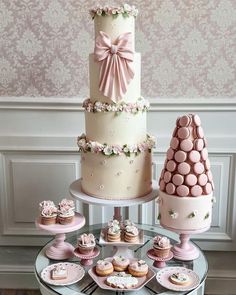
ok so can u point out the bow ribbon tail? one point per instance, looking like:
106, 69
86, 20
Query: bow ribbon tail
123, 67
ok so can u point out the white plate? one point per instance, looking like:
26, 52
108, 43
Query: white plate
75, 274
164, 274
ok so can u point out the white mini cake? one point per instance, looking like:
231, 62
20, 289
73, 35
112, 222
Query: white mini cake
59, 272
116, 161
122, 281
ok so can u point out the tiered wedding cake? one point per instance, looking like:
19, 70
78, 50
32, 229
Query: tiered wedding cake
116, 151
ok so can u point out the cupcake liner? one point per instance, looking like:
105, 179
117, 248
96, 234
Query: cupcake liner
48, 220
161, 252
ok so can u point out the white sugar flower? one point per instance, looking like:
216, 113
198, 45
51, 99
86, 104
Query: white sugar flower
107, 150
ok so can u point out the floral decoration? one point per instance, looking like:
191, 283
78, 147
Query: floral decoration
48, 209
141, 105
192, 214
66, 207
126, 10
173, 214
111, 150
207, 215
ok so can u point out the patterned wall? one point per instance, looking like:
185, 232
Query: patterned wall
188, 47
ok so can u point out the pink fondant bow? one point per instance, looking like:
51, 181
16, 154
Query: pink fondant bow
116, 70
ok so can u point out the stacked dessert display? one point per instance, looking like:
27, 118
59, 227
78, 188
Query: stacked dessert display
186, 185
116, 170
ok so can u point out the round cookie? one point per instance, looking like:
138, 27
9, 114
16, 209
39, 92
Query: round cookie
180, 279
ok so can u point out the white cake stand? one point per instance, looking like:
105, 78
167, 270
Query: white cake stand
121, 248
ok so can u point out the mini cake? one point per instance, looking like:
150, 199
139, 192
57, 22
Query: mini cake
127, 222
59, 272
161, 246
122, 281
138, 268
66, 211
186, 182
113, 232
48, 212
120, 263
131, 234
180, 279
86, 243
104, 268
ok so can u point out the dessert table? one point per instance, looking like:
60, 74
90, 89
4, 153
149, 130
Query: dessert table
86, 284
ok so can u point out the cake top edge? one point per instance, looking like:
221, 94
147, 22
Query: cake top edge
125, 9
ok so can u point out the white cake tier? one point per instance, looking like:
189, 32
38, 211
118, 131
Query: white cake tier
134, 87
123, 128
116, 177
115, 26
185, 213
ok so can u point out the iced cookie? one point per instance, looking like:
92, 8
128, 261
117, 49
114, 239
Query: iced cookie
122, 281
59, 272
180, 279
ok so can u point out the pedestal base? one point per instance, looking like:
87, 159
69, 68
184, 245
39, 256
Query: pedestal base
185, 250
122, 251
60, 249
158, 261
87, 259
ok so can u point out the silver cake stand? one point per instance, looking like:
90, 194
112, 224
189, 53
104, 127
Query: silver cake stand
119, 248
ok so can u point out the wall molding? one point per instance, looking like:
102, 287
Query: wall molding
157, 104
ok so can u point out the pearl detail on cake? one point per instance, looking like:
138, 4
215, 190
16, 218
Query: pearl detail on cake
131, 161
103, 162
119, 173
101, 187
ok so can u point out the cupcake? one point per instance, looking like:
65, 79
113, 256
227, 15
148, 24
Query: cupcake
48, 212
66, 211
161, 246
131, 234
114, 233
86, 243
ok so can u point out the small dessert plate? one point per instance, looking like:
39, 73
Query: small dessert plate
164, 274
75, 273
101, 281
103, 239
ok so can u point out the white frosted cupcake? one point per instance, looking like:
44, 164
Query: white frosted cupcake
66, 211
48, 212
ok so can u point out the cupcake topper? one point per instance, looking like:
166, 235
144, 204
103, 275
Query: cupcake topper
187, 167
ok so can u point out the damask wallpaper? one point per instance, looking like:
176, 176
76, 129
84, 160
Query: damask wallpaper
188, 47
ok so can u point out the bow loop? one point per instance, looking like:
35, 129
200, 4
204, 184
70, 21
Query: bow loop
116, 64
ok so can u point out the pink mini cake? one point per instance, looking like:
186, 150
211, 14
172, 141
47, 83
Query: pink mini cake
66, 211
186, 182
131, 234
86, 243
48, 212
59, 272
161, 246
138, 268
104, 268
120, 263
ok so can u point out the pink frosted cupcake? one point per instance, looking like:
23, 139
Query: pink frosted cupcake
66, 211
48, 212
161, 246
86, 243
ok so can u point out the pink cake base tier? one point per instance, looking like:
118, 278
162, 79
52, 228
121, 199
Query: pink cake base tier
185, 214
116, 177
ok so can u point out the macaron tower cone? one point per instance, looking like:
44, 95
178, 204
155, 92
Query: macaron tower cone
186, 182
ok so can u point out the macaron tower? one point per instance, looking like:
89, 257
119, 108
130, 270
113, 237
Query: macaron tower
186, 184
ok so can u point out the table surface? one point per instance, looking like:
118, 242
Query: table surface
199, 265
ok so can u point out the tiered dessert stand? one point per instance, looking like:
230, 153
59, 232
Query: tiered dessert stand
120, 248
59, 249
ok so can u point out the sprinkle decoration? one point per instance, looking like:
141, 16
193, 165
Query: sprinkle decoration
186, 171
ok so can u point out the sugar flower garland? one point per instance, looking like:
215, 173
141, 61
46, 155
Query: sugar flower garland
126, 10
110, 150
141, 105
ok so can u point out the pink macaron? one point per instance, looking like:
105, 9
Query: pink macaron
183, 133
191, 179
184, 168
180, 156
196, 190
182, 191
171, 165
186, 145
174, 143
178, 179
170, 188
198, 168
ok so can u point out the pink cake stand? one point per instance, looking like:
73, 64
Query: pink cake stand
87, 260
59, 249
158, 261
185, 250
